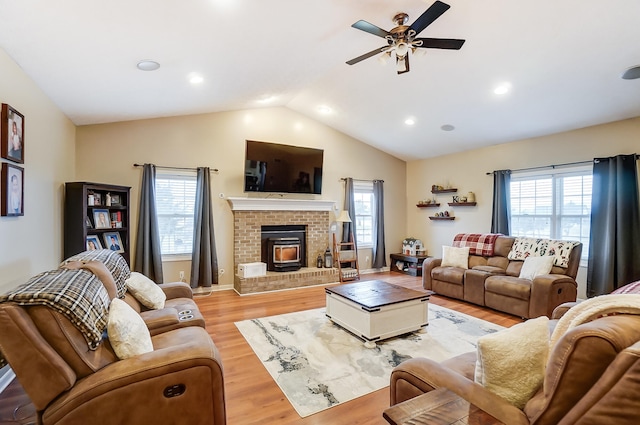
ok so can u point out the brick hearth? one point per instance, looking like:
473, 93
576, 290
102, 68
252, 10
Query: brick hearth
249, 215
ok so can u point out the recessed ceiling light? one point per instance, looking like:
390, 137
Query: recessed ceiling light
267, 99
410, 121
502, 88
324, 109
195, 78
632, 73
447, 127
148, 65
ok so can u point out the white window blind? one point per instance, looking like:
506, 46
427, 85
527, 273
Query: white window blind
554, 205
364, 222
175, 202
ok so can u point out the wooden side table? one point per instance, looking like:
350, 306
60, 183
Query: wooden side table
414, 263
438, 407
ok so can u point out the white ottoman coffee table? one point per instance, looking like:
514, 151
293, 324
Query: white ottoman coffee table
375, 310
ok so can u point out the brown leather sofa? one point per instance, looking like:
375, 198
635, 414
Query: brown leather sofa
493, 282
592, 377
180, 381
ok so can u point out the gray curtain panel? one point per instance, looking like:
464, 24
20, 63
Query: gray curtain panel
379, 253
349, 205
501, 202
614, 251
204, 261
148, 259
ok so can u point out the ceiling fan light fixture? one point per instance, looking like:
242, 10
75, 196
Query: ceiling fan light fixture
402, 49
384, 58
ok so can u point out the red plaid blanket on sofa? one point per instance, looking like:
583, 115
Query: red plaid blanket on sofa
478, 243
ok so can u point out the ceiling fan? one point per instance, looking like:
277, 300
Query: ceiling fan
402, 39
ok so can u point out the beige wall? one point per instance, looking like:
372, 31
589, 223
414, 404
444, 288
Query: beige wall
106, 153
467, 172
33, 243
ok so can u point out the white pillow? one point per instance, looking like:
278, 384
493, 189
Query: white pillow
455, 257
146, 291
128, 334
535, 266
511, 362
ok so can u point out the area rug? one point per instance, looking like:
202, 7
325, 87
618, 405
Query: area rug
317, 364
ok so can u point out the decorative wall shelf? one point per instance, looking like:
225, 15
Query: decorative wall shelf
427, 205
444, 191
442, 218
462, 204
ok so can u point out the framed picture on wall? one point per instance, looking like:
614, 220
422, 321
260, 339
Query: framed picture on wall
12, 137
113, 242
12, 203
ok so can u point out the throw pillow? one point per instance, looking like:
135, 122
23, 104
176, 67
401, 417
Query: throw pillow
146, 291
455, 257
127, 332
511, 363
535, 266
630, 288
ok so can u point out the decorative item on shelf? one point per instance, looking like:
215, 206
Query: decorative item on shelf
463, 199
471, 197
436, 215
319, 261
107, 199
420, 202
91, 200
411, 246
446, 213
328, 259
456, 199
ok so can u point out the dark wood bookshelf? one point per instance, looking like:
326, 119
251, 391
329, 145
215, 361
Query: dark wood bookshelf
79, 217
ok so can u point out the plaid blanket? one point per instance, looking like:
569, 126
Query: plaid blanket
478, 243
77, 294
114, 262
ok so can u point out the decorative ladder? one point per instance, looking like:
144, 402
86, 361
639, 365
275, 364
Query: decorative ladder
346, 258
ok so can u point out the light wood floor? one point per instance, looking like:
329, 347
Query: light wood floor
252, 397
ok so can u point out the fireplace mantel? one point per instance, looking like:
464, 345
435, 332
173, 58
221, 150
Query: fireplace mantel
280, 204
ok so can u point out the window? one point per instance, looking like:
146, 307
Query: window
365, 220
175, 202
555, 205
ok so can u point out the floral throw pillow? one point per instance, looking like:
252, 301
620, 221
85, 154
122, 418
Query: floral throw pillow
535, 247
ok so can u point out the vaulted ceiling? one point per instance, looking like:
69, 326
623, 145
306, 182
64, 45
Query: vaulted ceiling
563, 62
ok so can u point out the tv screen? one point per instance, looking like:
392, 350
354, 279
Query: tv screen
272, 167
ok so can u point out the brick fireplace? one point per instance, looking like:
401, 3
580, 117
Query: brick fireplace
251, 214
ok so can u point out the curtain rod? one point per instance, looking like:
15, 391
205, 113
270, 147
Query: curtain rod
361, 180
215, 170
556, 165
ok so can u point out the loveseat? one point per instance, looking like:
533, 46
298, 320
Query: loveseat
79, 365
490, 274
591, 375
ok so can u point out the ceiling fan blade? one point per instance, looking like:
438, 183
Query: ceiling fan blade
370, 28
429, 15
367, 55
440, 43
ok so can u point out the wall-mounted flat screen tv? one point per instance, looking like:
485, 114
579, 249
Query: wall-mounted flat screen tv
273, 167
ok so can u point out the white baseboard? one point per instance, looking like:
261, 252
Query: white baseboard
6, 376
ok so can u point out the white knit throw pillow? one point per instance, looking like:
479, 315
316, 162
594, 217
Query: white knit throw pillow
128, 334
511, 362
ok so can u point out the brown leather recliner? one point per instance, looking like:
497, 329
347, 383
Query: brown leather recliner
592, 377
180, 381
